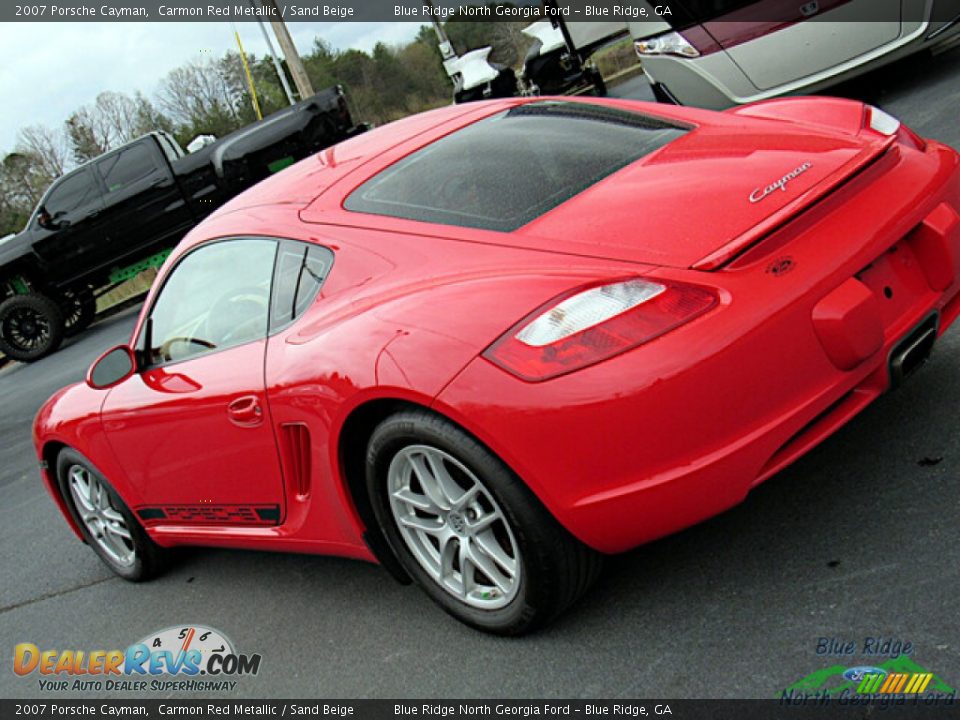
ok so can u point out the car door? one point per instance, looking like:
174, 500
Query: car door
70, 229
192, 427
142, 202
305, 391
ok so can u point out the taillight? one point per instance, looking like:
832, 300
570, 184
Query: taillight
594, 323
885, 124
881, 122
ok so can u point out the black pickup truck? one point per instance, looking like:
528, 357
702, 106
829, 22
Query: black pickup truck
123, 211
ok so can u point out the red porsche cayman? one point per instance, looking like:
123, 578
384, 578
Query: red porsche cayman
487, 344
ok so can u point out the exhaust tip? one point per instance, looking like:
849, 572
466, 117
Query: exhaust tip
913, 351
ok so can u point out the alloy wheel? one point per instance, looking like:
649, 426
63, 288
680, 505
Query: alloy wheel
104, 521
454, 527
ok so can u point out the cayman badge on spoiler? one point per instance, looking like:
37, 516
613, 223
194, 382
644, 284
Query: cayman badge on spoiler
781, 184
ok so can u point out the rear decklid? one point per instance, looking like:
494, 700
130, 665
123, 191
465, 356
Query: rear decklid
613, 179
709, 194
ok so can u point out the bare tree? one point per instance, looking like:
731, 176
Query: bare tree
49, 148
88, 134
117, 113
23, 184
203, 95
112, 120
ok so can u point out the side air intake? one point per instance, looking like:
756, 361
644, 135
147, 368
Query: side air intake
296, 460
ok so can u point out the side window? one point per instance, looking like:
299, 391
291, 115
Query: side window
169, 149
315, 268
72, 193
301, 270
218, 296
126, 167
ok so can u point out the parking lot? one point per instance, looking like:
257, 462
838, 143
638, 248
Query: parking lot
858, 539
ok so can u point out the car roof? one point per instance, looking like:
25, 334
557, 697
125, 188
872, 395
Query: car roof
332, 174
311, 193
508, 169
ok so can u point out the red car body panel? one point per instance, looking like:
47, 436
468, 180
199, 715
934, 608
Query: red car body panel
817, 286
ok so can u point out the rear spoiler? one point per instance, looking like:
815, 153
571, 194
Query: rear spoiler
740, 244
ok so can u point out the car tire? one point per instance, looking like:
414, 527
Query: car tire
101, 514
79, 308
552, 569
31, 326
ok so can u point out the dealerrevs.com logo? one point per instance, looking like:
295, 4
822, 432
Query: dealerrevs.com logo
180, 658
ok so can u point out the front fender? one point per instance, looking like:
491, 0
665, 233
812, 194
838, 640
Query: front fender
71, 418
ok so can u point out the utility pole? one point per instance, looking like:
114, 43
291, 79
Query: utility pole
273, 55
446, 47
246, 69
300, 78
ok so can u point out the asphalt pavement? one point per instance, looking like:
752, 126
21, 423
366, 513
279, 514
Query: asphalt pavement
858, 539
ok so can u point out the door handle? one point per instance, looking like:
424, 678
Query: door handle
245, 411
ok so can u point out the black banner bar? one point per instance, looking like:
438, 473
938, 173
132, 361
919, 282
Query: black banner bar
815, 708
675, 12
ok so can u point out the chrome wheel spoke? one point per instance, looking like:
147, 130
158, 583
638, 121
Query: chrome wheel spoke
80, 488
103, 499
95, 492
483, 522
487, 544
467, 580
113, 515
486, 565
431, 526
448, 553
84, 508
452, 492
118, 530
416, 500
468, 497
428, 482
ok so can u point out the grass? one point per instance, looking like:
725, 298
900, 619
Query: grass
616, 58
130, 289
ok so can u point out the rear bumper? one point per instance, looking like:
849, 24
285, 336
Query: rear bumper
681, 429
715, 81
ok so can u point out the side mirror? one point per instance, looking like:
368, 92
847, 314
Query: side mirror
114, 366
52, 222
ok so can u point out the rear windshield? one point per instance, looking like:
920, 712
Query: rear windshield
506, 170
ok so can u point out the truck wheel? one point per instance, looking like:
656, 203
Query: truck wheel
599, 84
31, 326
79, 307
